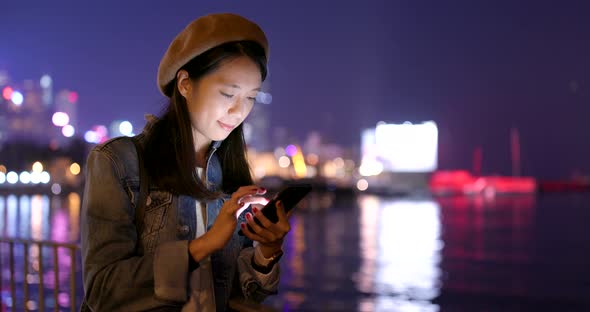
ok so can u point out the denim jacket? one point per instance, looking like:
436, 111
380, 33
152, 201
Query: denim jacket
124, 272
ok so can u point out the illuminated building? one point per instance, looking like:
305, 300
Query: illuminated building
23, 115
398, 158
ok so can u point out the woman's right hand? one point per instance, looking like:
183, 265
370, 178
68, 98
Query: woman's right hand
226, 221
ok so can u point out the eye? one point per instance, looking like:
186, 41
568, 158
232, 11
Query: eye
252, 99
229, 96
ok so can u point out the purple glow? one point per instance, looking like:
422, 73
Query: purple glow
101, 132
291, 150
91, 137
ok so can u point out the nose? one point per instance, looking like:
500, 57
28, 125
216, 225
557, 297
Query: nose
237, 108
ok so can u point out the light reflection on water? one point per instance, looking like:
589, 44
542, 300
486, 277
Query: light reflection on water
40, 217
370, 253
35, 217
400, 251
362, 254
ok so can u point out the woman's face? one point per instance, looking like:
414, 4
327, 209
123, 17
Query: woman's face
221, 100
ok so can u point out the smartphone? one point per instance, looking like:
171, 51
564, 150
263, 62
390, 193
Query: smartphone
289, 196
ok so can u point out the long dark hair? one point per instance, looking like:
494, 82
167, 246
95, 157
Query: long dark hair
170, 157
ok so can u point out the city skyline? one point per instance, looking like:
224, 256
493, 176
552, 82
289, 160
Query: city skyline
477, 69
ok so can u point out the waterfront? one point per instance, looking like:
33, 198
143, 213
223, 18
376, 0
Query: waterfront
370, 253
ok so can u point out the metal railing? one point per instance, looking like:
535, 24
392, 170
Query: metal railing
54, 246
236, 304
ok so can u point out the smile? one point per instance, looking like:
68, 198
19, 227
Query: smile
226, 126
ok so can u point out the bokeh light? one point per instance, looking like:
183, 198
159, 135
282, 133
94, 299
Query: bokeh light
45, 177
284, 162
56, 189
75, 169
45, 81
263, 97
291, 150
362, 185
12, 177
37, 167
68, 131
7, 93
102, 133
60, 119
73, 97
126, 128
17, 98
313, 159
36, 177
25, 177
91, 137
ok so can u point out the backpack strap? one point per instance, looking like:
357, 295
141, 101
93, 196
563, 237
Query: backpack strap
143, 188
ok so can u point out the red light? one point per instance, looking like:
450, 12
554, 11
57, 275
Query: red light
7, 93
73, 97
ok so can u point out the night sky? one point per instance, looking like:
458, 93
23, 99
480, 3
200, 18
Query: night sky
477, 68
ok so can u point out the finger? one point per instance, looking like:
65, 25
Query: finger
250, 235
281, 211
234, 209
254, 234
245, 207
283, 222
246, 190
249, 199
260, 230
234, 202
261, 218
279, 229
241, 210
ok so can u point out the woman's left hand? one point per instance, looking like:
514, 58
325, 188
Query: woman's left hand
270, 235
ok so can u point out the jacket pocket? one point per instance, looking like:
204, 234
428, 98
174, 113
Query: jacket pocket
157, 205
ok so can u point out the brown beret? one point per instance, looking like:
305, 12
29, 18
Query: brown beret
202, 34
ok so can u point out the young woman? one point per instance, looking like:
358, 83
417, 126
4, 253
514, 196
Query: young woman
184, 252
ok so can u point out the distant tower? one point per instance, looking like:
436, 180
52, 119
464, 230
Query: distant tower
313, 143
4, 78
36, 115
46, 84
515, 151
32, 98
477, 161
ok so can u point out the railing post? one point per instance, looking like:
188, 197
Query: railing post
12, 287
12, 242
56, 275
73, 280
1, 266
26, 275
41, 283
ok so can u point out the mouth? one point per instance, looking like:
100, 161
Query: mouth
226, 126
